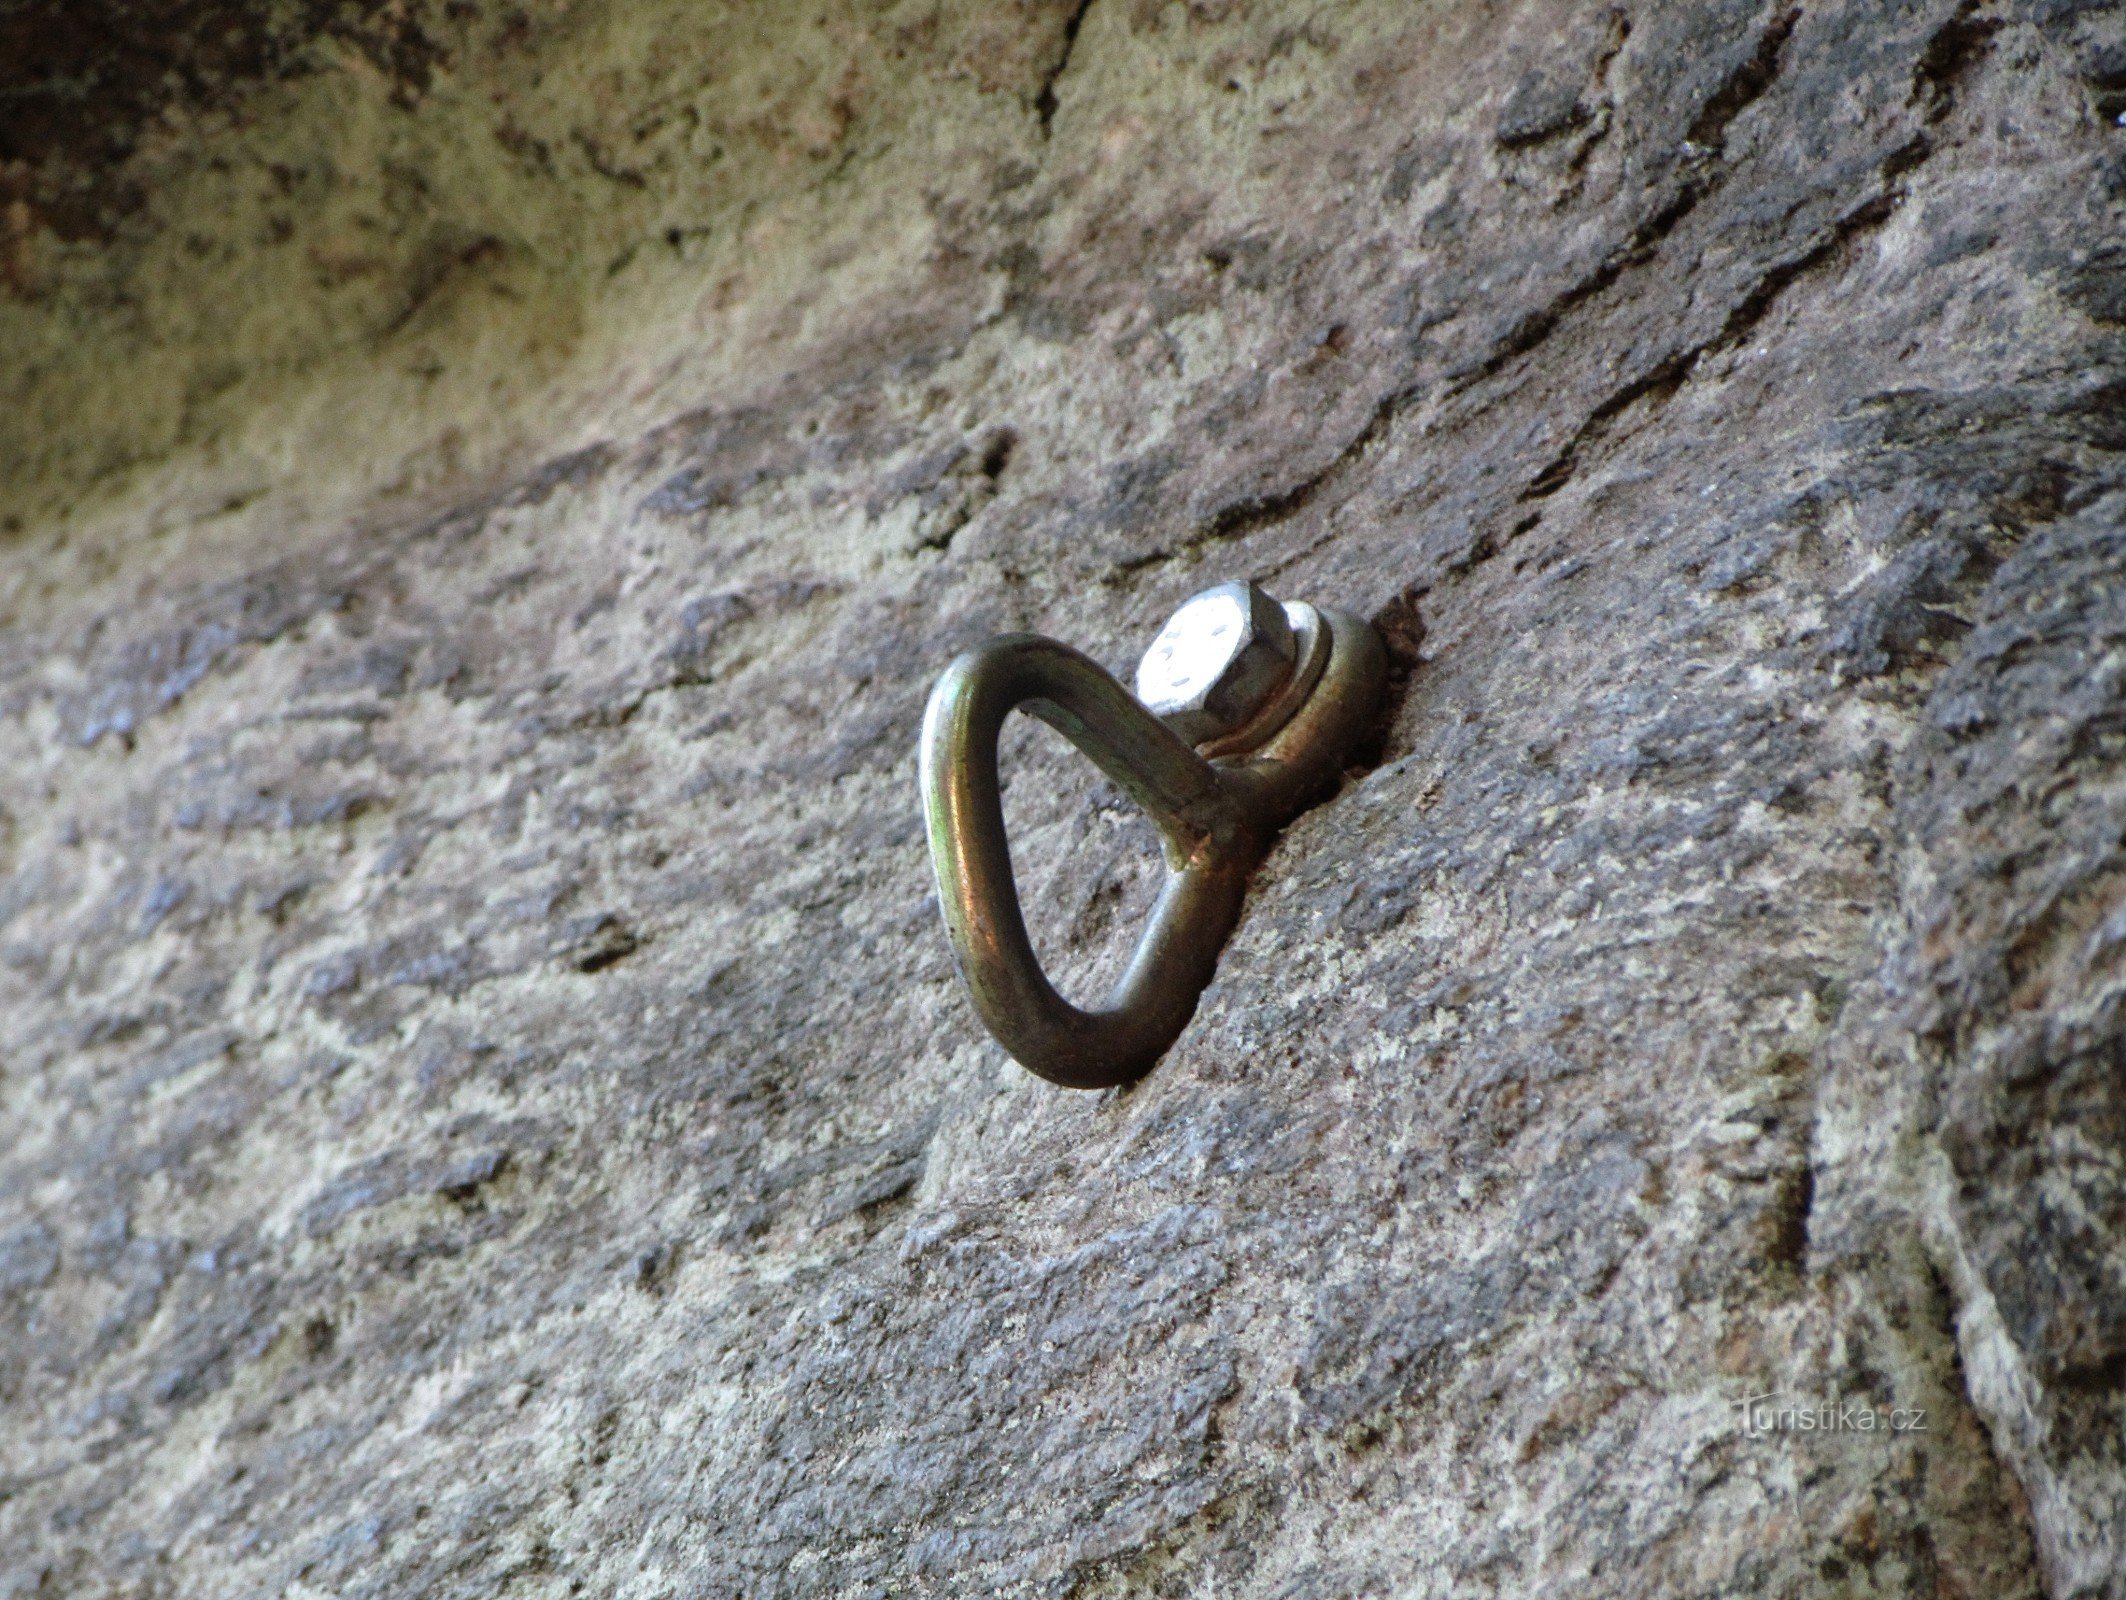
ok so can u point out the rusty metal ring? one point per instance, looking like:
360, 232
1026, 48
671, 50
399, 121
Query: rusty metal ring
1216, 820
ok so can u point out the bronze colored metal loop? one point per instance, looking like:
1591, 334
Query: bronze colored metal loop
1216, 820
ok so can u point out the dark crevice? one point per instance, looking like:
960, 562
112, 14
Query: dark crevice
1239, 517
2102, 1375
1044, 102
1619, 36
1482, 549
1751, 308
1663, 379
1905, 157
1551, 479
1604, 114
599, 941
1402, 630
1658, 383
465, 1180
996, 453
1401, 625
1793, 1208
1947, 58
1951, 53
1745, 85
610, 955
1538, 325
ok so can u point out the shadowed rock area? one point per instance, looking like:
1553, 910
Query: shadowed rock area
488, 1108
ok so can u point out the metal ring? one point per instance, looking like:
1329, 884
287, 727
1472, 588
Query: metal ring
1215, 823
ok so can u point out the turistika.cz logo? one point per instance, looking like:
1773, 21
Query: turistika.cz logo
1774, 1412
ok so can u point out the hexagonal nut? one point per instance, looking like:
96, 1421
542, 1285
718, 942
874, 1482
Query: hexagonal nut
1217, 661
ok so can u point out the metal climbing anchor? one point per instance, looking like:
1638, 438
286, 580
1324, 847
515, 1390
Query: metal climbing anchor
1272, 697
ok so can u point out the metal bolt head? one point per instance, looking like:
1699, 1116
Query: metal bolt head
1217, 661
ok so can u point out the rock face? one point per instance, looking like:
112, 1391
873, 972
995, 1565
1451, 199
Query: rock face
488, 1107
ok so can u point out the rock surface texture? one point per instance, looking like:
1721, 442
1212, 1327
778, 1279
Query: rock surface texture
487, 1107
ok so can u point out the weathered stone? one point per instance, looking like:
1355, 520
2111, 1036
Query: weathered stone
490, 1106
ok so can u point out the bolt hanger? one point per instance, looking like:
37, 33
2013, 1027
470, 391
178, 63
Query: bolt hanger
1272, 698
